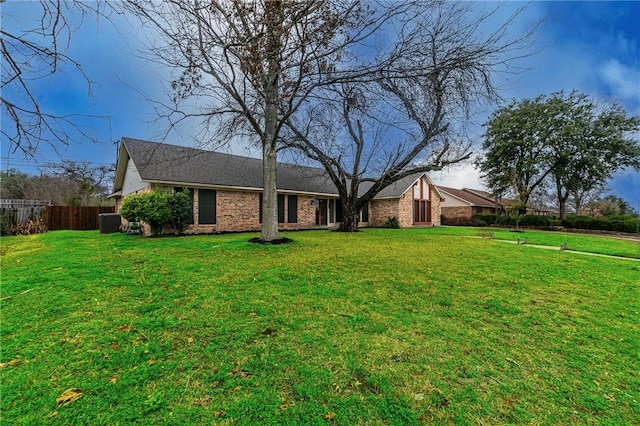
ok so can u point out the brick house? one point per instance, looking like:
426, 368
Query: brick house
226, 190
463, 203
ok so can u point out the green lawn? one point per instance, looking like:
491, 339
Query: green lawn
379, 327
600, 244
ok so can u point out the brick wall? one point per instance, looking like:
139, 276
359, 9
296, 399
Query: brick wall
239, 211
456, 212
405, 207
402, 209
381, 210
435, 208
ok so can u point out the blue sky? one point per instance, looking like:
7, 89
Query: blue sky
593, 47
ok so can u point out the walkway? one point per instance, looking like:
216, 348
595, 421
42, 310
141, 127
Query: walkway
557, 248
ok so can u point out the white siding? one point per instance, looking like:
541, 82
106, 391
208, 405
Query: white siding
132, 181
451, 201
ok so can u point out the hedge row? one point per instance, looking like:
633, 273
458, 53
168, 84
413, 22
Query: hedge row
616, 223
502, 220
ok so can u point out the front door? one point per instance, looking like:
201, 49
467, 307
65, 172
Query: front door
321, 213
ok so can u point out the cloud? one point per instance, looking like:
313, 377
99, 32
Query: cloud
458, 176
622, 81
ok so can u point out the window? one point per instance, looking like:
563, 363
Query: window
332, 218
339, 211
292, 209
207, 207
421, 211
365, 213
280, 208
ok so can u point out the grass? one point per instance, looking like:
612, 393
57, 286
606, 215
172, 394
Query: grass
577, 242
378, 327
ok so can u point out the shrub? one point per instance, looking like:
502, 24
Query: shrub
583, 222
6, 221
457, 221
392, 222
504, 220
625, 224
158, 209
535, 220
480, 223
150, 207
29, 228
615, 223
131, 209
181, 210
488, 218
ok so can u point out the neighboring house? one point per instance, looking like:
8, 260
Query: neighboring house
464, 203
227, 190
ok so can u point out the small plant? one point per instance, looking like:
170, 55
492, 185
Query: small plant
6, 222
32, 227
392, 222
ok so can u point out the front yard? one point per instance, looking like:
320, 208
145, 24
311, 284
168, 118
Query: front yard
379, 327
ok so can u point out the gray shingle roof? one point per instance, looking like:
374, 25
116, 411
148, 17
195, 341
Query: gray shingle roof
160, 162
157, 162
399, 187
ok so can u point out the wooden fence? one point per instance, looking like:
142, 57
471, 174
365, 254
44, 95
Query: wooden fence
80, 218
22, 215
12, 203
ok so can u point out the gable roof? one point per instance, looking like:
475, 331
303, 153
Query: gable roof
467, 196
173, 164
179, 165
399, 187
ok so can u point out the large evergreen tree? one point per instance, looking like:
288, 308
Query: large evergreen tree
569, 142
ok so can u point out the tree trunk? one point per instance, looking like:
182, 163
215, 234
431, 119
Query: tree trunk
578, 203
269, 230
274, 18
562, 200
350, 219
562, 207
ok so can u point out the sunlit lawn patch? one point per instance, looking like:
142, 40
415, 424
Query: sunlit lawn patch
382, 326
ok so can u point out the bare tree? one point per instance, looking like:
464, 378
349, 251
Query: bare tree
582, 197
242, 68
410, 117
89, 184
36, 53
65, 183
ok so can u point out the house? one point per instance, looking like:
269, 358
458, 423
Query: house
461, 204
227, 190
